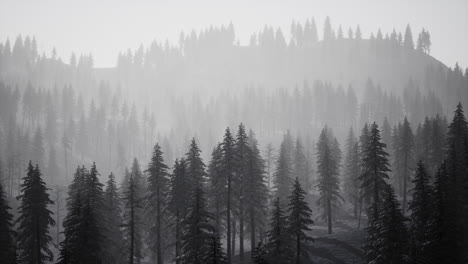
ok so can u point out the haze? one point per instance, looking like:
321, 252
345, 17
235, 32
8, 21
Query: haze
104, 28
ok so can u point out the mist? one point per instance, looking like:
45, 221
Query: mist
233, 132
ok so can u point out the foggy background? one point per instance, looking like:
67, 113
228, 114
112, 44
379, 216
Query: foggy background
104, 28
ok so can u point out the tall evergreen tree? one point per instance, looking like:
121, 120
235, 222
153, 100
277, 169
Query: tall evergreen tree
216, 186
70, 248
195, 167
132, 229
387, 237
113, 212
421, 208
179, 201
352, 172
7, 244
280, 244
34, 219
256, 192
405, 153
229, 163
299, 218
375, 169
299, 169
156, 202
198, 231
328, 182
283, 174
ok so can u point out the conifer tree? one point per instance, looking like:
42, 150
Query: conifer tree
7, 244
421, 208
259, 255
299, 218
256, 192
328, 182
215, 254
405, 152
374, 169
227, 148
299, 169
195, 166
179, 200
156, 202
280, 244
283, 173
387, 237
198, 231
352, 172
113, 235
132, 220
34, 219
216, 186
70, 247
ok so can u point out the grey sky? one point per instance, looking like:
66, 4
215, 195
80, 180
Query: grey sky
106, 27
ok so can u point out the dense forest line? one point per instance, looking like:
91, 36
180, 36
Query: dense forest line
183, 215
338, 135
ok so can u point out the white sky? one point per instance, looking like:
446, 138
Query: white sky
106, 27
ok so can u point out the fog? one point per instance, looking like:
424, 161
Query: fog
233, 132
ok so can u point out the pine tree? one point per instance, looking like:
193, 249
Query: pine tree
113, 235
70, 248
216, 186
195, 167
421, 208
132, 220
156, 202
352, 172
328, 170
7, 244
408, 41
387, 237
259, 255
179, 200
34, 219
299, 218
240, 180
93, 219
374, 168
227, 148
457, 169
256, 192
283, 173
280, 244
198, 231
300, 165
405, 152
215, 254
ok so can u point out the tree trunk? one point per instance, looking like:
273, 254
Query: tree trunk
158, 228
177, 227
298, 249
329, 215
252, 232
234, 226
228, 221
241, 234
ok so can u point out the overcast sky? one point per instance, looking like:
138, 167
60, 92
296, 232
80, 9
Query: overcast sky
106, 27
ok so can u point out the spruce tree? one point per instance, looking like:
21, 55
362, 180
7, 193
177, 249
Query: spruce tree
328, 170
198, 232
375, 169
283, 173
195, 167
34, 219
300, 218
387, 236
229, 163
215, 254
280, 243
352, 172
179, 201
132, 229
259, 255
113, 217
216, 186
256, 192
421, 209
156, 202
7, 242
70, 248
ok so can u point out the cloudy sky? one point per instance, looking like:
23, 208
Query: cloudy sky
106, 27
